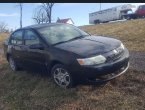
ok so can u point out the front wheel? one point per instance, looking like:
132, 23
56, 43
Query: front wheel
62, 76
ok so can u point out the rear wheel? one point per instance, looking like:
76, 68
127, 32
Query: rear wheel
13, 64
62, 76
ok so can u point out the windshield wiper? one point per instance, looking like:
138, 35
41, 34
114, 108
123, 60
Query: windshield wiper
78, 37
60, 42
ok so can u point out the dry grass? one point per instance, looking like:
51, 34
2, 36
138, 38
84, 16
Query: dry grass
26, 91
131, 33
3, 36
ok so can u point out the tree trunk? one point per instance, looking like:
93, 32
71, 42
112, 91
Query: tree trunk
21, 15
50, 15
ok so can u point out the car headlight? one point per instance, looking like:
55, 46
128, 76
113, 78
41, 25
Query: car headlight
92, 61
122, 46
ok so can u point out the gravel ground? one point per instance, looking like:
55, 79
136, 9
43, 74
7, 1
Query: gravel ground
137, 60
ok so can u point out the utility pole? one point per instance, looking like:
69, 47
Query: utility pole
100, 6
21, 8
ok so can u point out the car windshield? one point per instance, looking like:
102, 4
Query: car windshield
61, 33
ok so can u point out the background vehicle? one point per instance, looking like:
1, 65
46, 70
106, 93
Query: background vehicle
115, 13
67, 53
138, 13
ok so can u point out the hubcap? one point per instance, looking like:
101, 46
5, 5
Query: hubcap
12, 64
61, 77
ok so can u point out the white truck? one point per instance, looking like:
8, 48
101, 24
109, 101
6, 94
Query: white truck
115, 13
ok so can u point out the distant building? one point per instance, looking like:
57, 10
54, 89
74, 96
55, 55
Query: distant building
67, 20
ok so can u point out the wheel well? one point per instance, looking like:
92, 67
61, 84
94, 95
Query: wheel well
8, 55
54, 63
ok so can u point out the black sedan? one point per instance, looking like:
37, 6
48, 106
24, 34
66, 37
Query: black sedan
67, 53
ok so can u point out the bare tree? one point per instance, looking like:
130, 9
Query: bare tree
40, 16
36, 16
3, 26
48, 9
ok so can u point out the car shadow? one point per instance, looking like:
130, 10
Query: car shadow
44, 74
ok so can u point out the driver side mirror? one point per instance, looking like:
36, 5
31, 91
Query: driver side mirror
37, 46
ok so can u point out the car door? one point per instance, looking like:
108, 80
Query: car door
33, 58
15, 44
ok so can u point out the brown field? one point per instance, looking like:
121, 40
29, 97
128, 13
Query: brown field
29, 91
3, 36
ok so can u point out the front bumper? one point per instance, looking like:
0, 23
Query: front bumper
104, 72
109, 77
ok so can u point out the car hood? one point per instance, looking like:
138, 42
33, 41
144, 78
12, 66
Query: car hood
89, 46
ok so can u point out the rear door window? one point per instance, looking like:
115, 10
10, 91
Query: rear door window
17, 37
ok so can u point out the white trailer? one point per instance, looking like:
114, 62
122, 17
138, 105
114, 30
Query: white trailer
110, 14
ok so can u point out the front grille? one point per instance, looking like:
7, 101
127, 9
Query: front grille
115, 54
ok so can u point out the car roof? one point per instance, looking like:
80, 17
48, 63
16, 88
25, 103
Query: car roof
40, 25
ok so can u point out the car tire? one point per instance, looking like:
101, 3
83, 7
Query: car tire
61, 76
12, 63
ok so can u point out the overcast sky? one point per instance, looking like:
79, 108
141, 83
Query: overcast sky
79, 12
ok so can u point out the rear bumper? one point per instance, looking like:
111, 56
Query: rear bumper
116, 67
